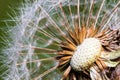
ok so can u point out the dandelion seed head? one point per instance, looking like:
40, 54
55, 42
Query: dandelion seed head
86, 54
50, 35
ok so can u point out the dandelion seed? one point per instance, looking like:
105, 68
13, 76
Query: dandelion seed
68, 39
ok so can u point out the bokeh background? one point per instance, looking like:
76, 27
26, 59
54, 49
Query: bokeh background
7, 7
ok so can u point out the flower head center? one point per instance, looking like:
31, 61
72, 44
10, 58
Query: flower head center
86, 54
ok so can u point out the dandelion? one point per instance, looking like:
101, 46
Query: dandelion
67, 40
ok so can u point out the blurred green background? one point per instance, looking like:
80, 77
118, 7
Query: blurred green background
7, 7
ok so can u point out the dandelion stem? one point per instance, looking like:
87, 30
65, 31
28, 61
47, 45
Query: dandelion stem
49, 35
73, 25
103, 21
65, 17
53, 22
38, 60
90, 11
45, 49
109, 19
99, 12
46, 72
78, 11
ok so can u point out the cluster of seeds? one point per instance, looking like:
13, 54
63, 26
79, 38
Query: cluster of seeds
86, 54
